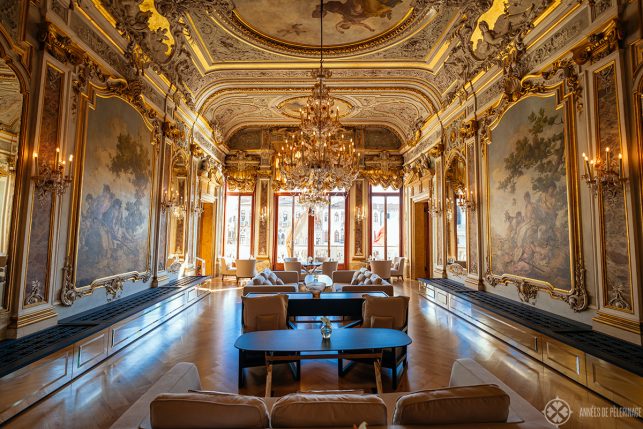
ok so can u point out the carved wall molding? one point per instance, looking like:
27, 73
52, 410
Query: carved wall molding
563, 72
241, 171
599, 44
384, 170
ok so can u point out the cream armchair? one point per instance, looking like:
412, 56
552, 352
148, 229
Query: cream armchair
227, 267
397, 269
246, 268
382, 269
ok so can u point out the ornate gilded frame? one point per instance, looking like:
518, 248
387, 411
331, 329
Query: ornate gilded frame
560, 81
113, 284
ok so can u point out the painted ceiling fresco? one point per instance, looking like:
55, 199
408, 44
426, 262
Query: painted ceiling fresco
395, 63
345, 22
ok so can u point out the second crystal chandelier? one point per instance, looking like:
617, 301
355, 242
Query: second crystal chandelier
319, 157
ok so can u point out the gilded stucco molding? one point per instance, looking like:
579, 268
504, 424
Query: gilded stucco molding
563, 72
599, 44
241, 171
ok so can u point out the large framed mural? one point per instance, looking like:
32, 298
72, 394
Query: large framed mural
533, 237
112, 200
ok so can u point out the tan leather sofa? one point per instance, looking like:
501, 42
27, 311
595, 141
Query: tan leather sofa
184, 377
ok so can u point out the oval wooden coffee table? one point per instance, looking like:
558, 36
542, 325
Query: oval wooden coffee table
298, 344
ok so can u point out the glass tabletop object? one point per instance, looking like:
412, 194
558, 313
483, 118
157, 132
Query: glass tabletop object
318, 278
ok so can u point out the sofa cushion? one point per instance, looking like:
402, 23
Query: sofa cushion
358, 276
255, 310
302, 410
260, 280
207, 410
485, 403
392, 306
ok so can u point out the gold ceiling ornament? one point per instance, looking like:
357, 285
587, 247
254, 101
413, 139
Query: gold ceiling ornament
320, 156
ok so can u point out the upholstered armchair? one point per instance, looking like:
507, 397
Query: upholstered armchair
398, 266
382, 269
246, 268
294, 266
264, 313
391, 313
328, 267
227, 267
291, 259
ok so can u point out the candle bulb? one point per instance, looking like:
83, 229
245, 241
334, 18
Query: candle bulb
35, 158
586, 165
620, 165
607, 158
71, 158
57, 157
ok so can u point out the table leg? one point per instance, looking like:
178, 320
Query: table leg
377, 366
268, 379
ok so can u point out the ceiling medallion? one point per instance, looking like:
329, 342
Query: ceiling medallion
319, 157
356, 28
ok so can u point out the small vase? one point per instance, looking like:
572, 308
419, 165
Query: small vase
326, 331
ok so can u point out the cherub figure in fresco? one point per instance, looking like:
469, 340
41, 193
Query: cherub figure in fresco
355, 12
293, 29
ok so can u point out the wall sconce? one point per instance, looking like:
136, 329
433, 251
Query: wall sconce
606, 173
466, 203
359, 215
52, 178
263, 215
174, 204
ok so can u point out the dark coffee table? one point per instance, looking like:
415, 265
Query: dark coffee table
298, 344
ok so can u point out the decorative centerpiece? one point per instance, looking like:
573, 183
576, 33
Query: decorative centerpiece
326, 328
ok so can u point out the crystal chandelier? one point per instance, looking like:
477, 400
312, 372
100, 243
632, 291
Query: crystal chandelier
320, 156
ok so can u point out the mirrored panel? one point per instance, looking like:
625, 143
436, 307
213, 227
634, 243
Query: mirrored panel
10, 121
177, 195
456, 212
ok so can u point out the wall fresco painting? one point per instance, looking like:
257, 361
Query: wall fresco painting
116, 190
528, 211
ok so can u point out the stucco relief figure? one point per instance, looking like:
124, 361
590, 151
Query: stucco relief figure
355, 12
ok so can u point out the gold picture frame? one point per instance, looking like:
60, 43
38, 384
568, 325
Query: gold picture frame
113, 284
561, 82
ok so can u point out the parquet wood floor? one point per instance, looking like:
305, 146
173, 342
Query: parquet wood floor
205, 333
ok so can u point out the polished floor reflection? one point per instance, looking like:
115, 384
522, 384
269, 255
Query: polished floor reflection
205, 333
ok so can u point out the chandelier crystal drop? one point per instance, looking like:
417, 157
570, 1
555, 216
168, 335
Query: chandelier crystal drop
320, 156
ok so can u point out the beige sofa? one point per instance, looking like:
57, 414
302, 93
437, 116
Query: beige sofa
342, 283
260, 284
184, 377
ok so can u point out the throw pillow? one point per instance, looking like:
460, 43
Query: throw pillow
279, 282
462, 405
376, 280
258, 280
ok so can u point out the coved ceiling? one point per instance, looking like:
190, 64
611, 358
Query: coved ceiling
247, 63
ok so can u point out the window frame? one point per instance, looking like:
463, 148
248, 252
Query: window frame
310, 227
238, 195
385, 194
